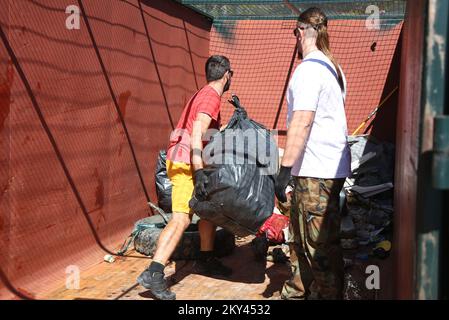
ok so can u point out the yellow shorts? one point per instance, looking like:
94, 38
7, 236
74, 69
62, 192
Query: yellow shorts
181, 177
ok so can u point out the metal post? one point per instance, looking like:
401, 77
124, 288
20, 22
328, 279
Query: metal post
433, 165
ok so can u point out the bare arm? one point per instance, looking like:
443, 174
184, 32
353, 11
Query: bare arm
297, 135
200, 126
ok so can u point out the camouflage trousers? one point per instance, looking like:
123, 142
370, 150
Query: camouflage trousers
315, 252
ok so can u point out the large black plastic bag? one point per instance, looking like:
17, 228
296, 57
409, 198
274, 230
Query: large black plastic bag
163, 183
241, 176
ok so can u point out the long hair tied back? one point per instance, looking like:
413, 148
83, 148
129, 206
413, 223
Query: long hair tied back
318, 20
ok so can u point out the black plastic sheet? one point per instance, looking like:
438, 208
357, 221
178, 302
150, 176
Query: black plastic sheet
163, 183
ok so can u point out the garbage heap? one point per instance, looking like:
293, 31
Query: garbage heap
367, 212
367, 198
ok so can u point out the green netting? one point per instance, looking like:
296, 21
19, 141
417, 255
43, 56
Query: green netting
279, 9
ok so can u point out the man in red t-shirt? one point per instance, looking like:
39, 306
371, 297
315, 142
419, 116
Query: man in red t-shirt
185, 170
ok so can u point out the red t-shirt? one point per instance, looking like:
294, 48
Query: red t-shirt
205, 101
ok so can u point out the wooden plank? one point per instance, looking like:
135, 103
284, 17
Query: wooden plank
251, 280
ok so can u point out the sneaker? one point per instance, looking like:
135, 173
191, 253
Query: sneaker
157, 284
212, 267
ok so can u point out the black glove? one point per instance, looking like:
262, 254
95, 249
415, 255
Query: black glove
282, 182
200, 180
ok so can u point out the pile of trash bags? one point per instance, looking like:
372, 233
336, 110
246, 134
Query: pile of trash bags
368, 194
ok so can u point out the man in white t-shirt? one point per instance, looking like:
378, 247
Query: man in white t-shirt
318, 157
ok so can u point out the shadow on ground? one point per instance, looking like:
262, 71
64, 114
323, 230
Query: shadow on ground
246, 270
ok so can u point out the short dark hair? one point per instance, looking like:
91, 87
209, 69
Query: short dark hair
216, 67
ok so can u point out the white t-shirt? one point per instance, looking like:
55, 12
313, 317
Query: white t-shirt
314, 88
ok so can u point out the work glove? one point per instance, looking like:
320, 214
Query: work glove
200, 180
282, 181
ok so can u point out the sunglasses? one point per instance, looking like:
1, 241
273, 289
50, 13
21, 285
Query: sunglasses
296, 30
231, 73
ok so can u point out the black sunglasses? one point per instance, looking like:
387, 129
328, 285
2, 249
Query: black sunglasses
296, 30
231, 73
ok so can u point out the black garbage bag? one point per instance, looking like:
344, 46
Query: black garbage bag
240, 162
163, 183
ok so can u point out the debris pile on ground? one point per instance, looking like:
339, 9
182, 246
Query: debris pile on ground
367, 211
367, 216
269, 243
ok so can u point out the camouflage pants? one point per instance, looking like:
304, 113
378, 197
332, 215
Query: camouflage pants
315, 252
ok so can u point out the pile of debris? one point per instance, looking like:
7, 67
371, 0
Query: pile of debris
368, 195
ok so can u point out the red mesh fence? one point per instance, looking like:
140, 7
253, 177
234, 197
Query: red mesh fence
261, 52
